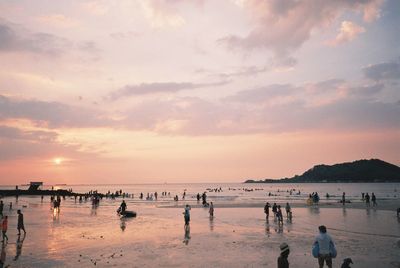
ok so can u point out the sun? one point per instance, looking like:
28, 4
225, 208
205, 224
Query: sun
57, 161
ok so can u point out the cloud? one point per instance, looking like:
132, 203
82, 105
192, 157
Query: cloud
268, 93
125, 35
58, 20
367, 90
283, 26
347, 32
162, 13
52, 114
15, 38
154, 88
383, 71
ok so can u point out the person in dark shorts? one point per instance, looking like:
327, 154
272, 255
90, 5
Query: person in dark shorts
325, 244
20, 224
373, 199
367, 199
266, 210
283, 258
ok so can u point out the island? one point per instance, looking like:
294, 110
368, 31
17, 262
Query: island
372, 170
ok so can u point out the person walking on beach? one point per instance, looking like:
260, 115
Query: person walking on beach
274, 210
326, 247
211, 209
288, 211
343, 198
367, 199
20, 224
266, 210
186, 216
279, 215
1, 207
4, 227
283, 258
373, 199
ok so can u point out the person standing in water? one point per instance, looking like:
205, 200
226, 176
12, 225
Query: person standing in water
288, 211
373, 199
20, 224
186, 215
122, 207
367, 199
283, 258
343, 198
4, 227
266, 210
211, 209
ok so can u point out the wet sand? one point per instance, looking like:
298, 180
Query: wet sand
238, 236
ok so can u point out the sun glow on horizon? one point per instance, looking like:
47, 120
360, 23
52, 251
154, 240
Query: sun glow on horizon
57, 160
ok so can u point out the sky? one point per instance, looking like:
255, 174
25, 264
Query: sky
155, 91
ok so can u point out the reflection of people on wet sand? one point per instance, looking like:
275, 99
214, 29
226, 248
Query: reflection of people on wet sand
19, 244
20, 225
187, 234
123, 224
3, 255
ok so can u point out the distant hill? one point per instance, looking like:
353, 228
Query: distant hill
373, 170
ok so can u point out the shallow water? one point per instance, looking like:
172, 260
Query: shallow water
248, 193
83, 236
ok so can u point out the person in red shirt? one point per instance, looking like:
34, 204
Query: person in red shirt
4, 227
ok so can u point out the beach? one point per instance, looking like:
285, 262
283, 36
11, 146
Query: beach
82, 235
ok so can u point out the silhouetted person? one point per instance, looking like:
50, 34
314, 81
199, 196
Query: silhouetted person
279, 215
266, 210
274, 210
1, 207
343, 198
20, 224
283, 258
122, 207
186, 215
367, 199
373, 199
288, 211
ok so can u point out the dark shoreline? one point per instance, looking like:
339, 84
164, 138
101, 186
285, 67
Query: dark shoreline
60, 192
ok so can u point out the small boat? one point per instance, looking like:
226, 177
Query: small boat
129, 214
126, 213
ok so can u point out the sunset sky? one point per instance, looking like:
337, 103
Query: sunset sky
195, 91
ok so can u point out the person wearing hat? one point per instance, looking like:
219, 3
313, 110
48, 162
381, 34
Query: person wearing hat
346, 263
283, 258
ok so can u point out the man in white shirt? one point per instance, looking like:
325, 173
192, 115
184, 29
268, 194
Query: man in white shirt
324, 241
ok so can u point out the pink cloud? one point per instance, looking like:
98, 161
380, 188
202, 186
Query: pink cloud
283, 26
347, 32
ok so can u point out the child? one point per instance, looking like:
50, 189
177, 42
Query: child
4, 227
283, 258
